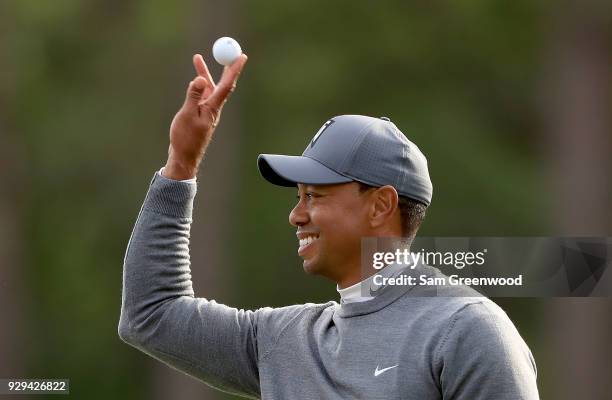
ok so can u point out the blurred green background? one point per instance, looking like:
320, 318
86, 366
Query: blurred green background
509, 100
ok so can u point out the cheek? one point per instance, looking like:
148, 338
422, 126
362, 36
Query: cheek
355, 217
343, 225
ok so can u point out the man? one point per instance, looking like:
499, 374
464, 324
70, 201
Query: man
359, 177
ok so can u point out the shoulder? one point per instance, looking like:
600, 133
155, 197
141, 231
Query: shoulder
481, 317
445, 304
463, 326
482, 355
479, 331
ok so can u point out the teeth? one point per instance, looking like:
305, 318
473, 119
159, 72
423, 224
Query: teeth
307, 240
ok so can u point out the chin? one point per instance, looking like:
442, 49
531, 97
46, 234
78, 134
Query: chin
315, 267
311, 267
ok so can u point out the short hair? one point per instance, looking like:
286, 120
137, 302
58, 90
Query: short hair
412, 212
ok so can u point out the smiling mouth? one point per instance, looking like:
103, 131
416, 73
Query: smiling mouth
306, 243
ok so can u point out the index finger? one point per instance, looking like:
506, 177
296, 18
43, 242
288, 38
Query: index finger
201, 68
227, 84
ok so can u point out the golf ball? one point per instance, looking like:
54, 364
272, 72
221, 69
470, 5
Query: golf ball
226, 50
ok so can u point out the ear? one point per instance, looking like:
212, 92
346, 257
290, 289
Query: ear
384, 205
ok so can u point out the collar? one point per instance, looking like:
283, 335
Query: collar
362, 291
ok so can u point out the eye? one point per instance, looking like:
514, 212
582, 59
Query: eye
309, 195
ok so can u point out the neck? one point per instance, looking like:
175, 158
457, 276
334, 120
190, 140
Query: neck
354, 276
355, 273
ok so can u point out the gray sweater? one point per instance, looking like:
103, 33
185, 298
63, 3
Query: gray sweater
403, 344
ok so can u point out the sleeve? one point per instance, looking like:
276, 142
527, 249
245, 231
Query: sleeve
482, 356
159, 313
161, 173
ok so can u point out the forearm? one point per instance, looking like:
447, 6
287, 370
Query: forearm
157, 264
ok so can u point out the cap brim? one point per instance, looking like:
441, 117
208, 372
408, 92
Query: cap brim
288, 171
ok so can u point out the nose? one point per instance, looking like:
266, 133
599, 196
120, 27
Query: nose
299, 215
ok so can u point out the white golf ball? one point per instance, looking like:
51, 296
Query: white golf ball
226, 50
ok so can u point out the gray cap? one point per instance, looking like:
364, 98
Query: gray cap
354, 148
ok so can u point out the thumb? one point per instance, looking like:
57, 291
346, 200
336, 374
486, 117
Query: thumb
194, 92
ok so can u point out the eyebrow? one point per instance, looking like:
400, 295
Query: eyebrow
313, 188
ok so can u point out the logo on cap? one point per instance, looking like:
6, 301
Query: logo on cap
316, 136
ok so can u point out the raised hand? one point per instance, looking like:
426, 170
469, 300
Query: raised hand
194, 124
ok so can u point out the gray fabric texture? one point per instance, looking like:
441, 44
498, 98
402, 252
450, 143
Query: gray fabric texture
399, 345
